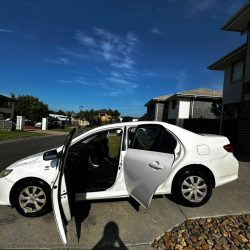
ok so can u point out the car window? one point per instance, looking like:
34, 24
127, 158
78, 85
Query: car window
131, 136
107, 142
152, 138
93, 162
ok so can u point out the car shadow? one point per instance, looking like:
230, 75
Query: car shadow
81, 212
111, 238
171, 198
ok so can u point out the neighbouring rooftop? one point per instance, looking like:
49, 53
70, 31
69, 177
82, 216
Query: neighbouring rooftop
239, 21
201, 92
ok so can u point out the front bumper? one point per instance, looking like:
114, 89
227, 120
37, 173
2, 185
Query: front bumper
5, 187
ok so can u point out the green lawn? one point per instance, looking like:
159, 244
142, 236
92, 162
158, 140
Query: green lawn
114, 146
4, 134
66, 129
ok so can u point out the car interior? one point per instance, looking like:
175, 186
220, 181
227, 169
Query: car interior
92, 164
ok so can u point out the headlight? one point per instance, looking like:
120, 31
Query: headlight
5, 172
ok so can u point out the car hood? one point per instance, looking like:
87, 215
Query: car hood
29, 159
26, 160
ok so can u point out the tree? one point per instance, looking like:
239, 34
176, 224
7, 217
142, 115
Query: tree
114, 114
69, 115
88, 115
31, 107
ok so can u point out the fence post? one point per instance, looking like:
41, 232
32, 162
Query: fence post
44, 123
20, 121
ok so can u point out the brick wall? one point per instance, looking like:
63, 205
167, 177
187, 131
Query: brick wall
246, 88
203, 109
244, 128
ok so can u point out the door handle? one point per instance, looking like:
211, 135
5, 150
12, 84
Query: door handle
156, 165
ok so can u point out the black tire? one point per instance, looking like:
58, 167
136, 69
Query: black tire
187, 194
32, 198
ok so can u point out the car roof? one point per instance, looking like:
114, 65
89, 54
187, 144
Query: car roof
181, 133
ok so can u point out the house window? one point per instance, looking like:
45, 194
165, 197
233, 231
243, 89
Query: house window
237, 71
5, 104
174, 104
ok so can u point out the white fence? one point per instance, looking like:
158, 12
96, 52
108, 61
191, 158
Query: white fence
6, 125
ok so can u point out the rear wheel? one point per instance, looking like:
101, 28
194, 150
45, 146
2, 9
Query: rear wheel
192, 188
32, 198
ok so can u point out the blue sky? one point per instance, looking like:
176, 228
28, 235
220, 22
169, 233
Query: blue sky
111, 54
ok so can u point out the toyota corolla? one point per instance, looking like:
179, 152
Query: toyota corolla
138, 159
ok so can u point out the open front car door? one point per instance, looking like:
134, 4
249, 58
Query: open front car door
60, 199
148, 161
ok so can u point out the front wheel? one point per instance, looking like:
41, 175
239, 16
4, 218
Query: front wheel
192, 188
32, 198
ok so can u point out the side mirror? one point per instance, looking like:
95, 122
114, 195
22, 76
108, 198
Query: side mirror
50, 155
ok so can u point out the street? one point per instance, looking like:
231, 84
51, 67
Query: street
112, 223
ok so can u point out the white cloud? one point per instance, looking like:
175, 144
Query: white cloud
112, 93
74, 54
117, 52
6, 30
152, 73
197, 6
156, 31
76, 80
117, 80
115, 74
215, 7
60, 60
115, 49
180, 79
127, 63
84, 39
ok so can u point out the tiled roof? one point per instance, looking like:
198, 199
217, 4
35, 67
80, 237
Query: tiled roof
5, 96
162, 98
209, 93
202, 92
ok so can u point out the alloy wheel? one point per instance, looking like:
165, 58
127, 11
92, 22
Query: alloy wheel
194, 188
32, 199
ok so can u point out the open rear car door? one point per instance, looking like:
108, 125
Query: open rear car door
60, 199
148, 161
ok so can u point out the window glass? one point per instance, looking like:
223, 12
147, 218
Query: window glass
131, 136
174, 104
107, 143
93, 163
153, 138
237, 71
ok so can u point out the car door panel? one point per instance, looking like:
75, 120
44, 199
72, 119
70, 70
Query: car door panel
56, 197
148, 160
60, 201
65, 200
144, 172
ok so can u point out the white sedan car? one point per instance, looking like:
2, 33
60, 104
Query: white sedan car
137, 159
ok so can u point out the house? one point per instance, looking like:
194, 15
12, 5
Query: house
6, 107
191, 104
58, 117
103, 116
236, 88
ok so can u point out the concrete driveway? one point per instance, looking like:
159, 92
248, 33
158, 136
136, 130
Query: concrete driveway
118, 223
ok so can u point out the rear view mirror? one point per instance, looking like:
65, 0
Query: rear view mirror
50, 155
